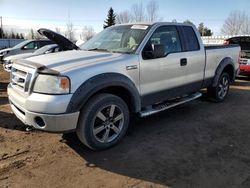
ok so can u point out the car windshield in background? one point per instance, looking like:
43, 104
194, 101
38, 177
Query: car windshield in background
117, 39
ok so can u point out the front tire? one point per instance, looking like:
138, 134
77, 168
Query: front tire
103, 121
220, 91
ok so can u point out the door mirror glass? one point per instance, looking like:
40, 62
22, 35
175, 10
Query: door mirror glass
154, 51
158, 50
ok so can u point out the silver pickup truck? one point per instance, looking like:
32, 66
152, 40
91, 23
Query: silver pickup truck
125, 69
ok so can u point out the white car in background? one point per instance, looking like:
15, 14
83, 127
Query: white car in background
8, 61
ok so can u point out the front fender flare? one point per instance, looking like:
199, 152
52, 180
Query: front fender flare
99, 82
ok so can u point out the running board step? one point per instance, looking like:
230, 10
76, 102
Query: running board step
169, 104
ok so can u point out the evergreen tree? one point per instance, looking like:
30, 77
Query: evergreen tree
21, 36
12, 35
17, 36
204, 31
188, 22
111, 19
2, 35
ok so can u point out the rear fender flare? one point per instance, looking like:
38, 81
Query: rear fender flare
225, 62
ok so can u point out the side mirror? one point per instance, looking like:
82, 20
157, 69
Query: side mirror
158, 50
155, 51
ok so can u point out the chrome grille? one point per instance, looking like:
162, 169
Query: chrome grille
21, 78
243, 61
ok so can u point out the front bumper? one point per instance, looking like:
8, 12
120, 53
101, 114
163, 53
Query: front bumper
46, 120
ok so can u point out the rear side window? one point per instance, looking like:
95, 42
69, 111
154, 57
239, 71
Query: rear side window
189, 39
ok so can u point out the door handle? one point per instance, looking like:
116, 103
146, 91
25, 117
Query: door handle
183, 61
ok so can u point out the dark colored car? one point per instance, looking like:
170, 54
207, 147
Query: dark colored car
244, 42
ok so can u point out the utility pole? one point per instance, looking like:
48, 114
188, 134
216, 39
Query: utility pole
1, 26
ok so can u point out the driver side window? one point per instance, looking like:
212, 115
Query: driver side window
167, 37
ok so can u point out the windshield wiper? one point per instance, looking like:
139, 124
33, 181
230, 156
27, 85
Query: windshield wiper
121, 52
98, 49
111, 51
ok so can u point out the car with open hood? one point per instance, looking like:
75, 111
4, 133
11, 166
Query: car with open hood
244, 42
27, 46
61, 44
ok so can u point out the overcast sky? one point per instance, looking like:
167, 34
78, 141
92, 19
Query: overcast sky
26, 14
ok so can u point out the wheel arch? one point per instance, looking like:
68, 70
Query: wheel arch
113, 83
226, 65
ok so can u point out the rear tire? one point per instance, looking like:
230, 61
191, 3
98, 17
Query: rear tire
220, 91
103, 121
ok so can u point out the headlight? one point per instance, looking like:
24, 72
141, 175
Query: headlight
248, 62
51, 84
6, 62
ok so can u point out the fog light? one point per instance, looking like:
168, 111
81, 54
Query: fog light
39, 121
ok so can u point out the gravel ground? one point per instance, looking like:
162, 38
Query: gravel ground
198, 144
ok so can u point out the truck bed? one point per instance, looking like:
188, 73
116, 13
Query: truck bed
215, 54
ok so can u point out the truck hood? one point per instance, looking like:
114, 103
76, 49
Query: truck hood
70, 60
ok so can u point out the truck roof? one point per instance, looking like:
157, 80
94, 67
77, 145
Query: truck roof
156, 23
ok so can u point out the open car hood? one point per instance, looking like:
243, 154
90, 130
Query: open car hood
63, 42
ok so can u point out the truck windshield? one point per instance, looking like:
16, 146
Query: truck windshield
117, 39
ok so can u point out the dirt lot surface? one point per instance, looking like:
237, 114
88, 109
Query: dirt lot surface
199, 144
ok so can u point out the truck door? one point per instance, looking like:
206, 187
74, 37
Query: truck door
165, 77
195, 58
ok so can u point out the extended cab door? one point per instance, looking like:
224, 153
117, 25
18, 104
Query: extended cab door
164, 77
194, 53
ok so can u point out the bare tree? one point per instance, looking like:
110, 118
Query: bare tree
87, 33
31, 35
237, 23
123, 17
38, 36
58, 30
138, 12
152, 11
174, 20
70, 34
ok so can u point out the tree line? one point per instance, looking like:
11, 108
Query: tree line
141, 13
237, 23
10, 35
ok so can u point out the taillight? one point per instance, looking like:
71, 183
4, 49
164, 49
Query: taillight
239, 58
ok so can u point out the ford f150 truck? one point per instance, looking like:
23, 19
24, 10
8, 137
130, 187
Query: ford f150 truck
125, 69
